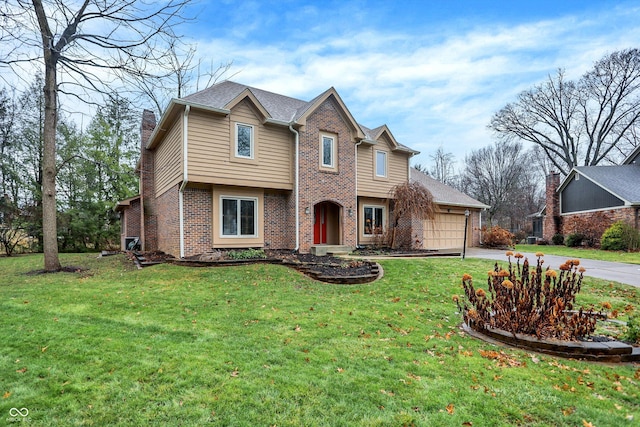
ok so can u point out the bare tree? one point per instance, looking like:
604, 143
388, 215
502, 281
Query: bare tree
84, 42
442, 167
579, 122
494, 175
175, 77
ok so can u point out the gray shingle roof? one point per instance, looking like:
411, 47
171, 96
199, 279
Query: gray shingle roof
279, 107
622, 181
444, 194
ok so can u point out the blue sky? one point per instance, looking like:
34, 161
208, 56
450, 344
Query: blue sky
433, 71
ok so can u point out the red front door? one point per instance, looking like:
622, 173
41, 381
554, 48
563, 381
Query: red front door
320, 224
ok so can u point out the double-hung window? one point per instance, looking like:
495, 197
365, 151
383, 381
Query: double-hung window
381, 164
239, 216
373, 220
244, 141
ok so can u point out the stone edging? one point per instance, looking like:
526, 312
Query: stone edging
305, 268
611, 351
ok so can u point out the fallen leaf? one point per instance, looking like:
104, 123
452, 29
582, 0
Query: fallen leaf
467, 424
587, 424
22, 370
340, 370
568, 411
297, 328
6, 395
235, 373
450, 408
44, 348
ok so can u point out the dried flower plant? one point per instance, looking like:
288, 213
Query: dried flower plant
535, 301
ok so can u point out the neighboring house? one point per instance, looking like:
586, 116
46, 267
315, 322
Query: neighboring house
614, 190
234, 166
446, 231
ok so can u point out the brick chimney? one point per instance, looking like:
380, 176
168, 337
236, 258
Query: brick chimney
552, 220
147, 184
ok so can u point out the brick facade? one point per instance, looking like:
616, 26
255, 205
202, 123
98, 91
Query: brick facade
317, 185
168, 214
148, 213
130, 221
198, 213
552, 222
279, 220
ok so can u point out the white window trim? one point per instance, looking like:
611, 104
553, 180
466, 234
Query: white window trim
255, 217
386, 163
252, 141
333, 152
364, 226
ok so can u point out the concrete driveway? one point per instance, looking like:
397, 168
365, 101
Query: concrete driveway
613, 271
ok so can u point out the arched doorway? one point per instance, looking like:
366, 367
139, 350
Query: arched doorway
326, 224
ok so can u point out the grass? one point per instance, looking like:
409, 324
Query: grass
263, 345
598, 254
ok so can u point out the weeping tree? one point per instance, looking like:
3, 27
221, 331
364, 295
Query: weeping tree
87, 43
412, 201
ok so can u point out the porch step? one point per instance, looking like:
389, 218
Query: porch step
321, 250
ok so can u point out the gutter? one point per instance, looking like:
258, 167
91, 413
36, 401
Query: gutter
357, 207
185, 176
297, 179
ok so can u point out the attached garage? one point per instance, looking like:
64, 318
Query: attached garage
446, 230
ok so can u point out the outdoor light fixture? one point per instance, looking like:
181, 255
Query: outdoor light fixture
350, 212
307, 210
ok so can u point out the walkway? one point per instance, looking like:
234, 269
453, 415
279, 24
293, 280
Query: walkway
613, 271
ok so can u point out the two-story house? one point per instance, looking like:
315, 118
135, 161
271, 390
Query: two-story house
234, 166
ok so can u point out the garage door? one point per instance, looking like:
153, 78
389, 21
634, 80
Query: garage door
446, 231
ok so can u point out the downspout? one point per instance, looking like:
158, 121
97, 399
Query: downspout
357, 207
297, 179
185, 176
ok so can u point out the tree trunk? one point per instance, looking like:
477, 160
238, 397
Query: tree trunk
49, 209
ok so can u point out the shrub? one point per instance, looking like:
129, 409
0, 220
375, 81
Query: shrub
528, 301
621, 236
247, 254
557, 239
632, 333
590, 226
574, 239
497, 237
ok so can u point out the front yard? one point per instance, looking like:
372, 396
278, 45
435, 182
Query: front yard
264, 345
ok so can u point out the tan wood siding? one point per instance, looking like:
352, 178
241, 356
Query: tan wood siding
168, 166
212, 145
397, 165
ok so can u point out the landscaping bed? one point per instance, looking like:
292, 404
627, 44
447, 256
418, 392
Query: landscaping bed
326, 268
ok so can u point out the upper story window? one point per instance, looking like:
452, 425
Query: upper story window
327, 152
244, 141
381, 164
239, 216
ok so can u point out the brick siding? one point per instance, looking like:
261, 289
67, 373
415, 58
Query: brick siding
168, 215
198, 214
279, 220
147, 184
317, 185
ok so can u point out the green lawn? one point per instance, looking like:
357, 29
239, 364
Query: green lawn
263, 345
615, 256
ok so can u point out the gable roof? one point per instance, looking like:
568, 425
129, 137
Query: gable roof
622, 181
444, 194
371, 137
275, 108
633, 157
